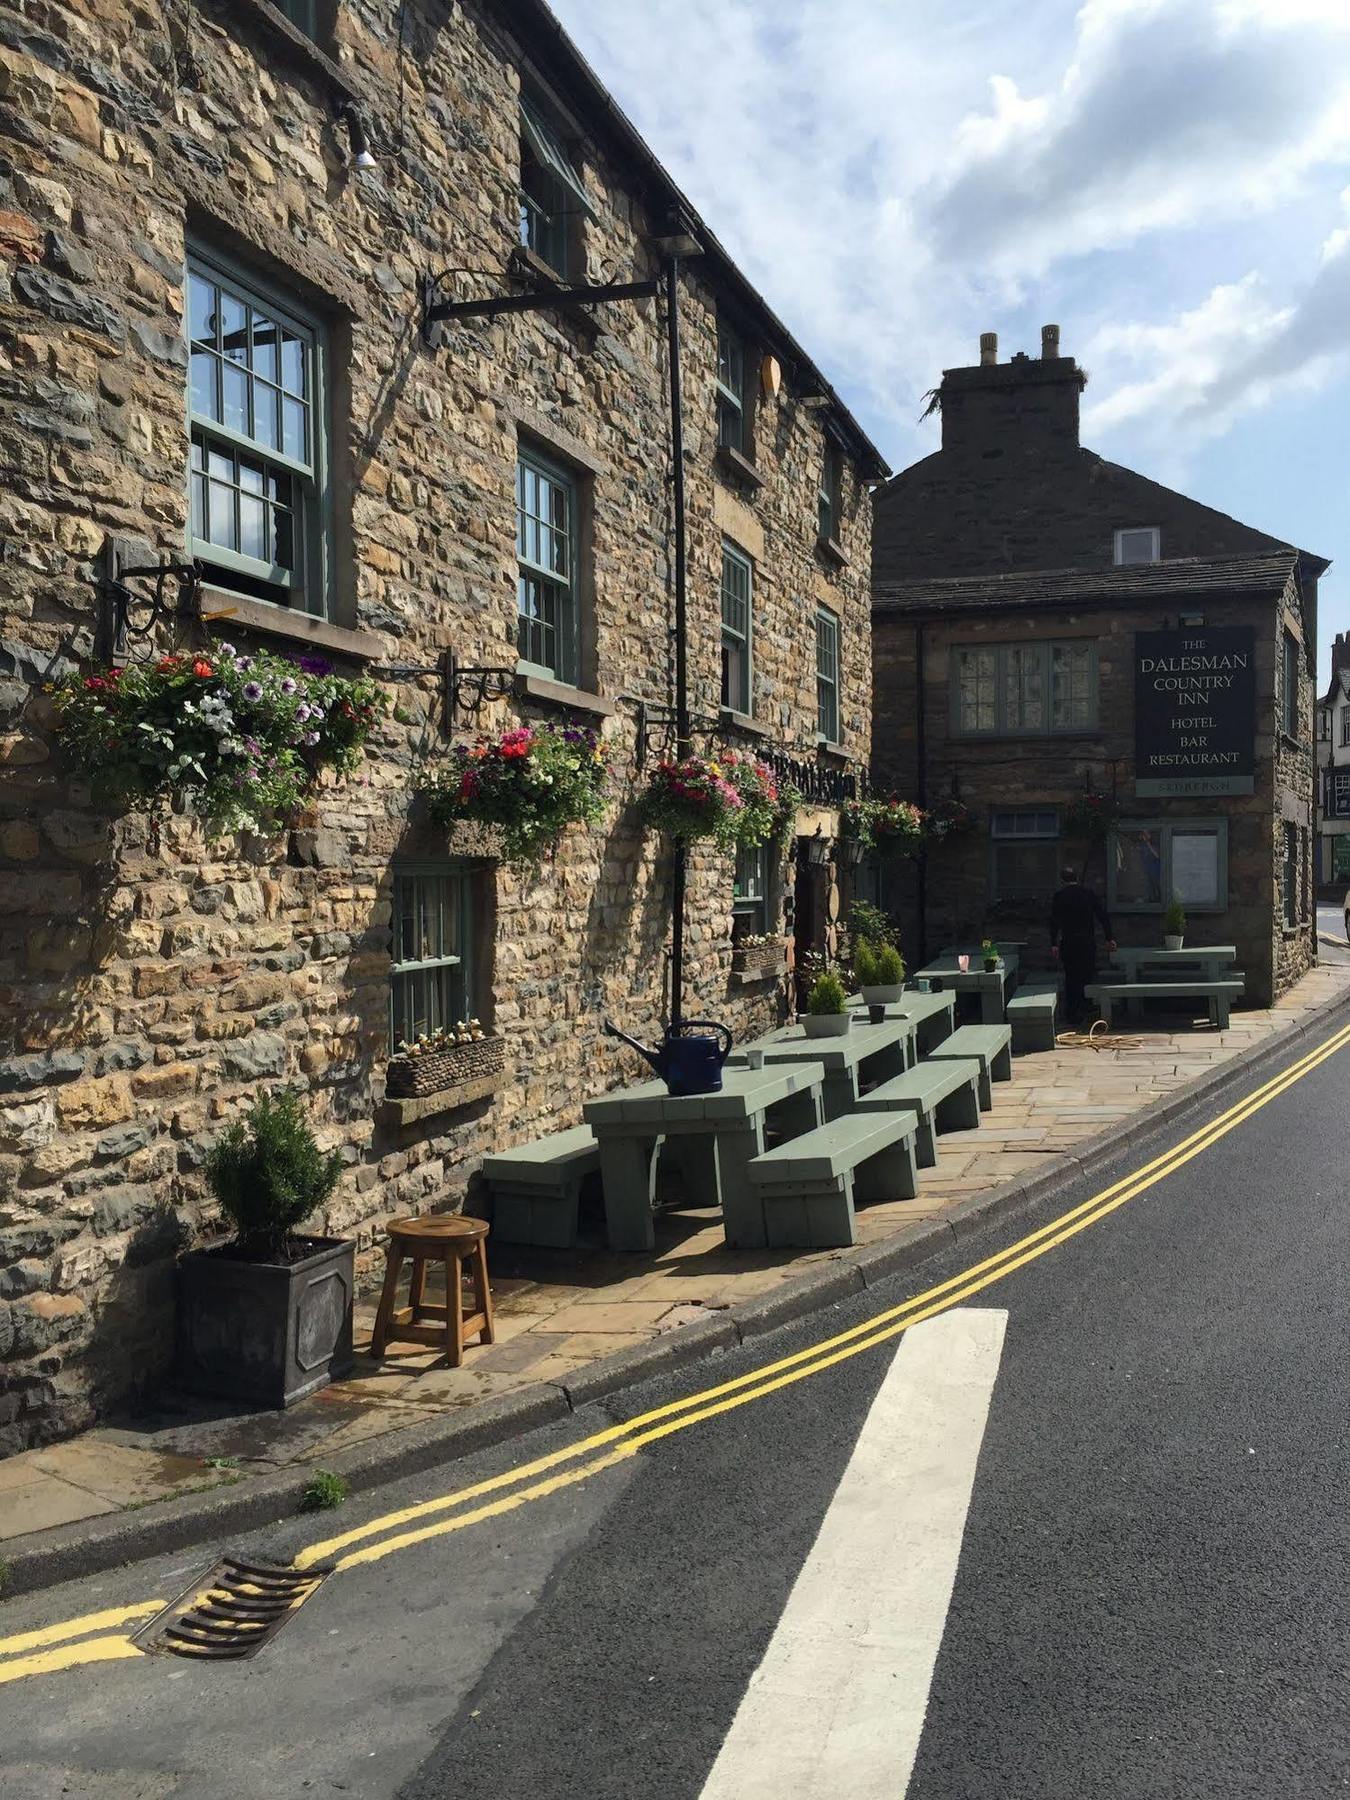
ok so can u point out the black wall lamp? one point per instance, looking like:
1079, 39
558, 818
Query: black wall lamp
351, 116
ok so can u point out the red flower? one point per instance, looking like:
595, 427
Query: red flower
168, 663
202, 668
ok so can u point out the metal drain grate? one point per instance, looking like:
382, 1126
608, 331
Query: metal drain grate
233, 1611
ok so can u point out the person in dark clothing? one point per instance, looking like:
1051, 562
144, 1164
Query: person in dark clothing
1075, 914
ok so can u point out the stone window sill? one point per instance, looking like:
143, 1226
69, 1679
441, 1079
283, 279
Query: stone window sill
731, 720
223, 612
741, 470
831, 753
831, 551
752, 977
1293, 743
301, 49
530, 686
430, 1106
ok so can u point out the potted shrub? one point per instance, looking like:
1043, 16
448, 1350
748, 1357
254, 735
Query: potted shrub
530, 784
989, 951
267, 1318
826, 1008
879, 971
1174, 926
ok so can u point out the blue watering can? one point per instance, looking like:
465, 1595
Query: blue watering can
688, 1064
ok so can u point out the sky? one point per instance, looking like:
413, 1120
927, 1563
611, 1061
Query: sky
1167, 180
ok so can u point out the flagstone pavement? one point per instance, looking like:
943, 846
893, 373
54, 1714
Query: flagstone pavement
558, 1311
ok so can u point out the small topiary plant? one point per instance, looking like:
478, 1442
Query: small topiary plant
865, 965
1174, 919
324, 1492
890, 966
269, 1174
827, 996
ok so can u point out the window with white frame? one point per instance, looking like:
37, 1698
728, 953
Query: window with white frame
257, 425
738, 579
733, 406
827, 675
546, 553
433, 977
1151, 862
750, 892
1138, 544
1024, 690
831, 486
553, 196
1024, 853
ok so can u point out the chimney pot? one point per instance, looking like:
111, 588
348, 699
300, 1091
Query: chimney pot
1049, 342
988, 347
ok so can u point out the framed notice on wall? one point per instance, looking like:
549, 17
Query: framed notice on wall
1195, 711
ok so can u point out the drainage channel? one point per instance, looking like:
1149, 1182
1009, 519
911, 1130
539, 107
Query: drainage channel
231, 1612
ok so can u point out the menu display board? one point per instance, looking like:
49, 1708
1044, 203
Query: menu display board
1194, 711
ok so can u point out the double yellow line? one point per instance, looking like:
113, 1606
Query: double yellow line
91, 1639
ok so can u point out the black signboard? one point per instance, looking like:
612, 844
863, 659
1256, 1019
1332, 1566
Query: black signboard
1336, 794
1194, 711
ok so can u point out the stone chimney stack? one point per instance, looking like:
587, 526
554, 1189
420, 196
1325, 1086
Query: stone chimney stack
1026, 407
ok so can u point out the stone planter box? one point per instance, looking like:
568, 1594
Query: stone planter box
758, 965
414, 1077
265, 1332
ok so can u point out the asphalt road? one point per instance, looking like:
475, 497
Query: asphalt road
1151, 1597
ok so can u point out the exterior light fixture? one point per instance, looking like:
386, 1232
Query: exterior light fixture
350, 115
677, 239
816, 850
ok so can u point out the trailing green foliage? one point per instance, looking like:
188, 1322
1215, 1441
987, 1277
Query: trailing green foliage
827, 996
530, 783
868, 921
269, 1174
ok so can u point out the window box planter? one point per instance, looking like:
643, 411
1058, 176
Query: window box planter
762, 963
266, 1332
414, 1077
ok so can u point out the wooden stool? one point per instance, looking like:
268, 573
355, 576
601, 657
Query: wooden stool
447, 1238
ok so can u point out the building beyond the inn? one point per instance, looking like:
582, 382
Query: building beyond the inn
216, 228
1333, 774
1048, 625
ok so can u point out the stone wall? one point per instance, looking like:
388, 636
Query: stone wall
148, 987
1050, 771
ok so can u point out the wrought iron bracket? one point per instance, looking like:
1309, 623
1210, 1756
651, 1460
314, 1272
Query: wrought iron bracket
465, 687
438, 311
657, 724
128, 617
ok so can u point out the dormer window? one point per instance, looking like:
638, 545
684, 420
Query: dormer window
552, 194
1138, 544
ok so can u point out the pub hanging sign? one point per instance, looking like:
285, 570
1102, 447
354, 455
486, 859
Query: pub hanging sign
1194, 711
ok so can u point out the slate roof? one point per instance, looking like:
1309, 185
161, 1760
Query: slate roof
1178, 578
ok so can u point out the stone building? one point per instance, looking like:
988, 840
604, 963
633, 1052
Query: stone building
1048, 626
1333, 774
216, 231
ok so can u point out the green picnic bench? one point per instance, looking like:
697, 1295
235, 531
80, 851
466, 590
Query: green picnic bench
933, 1014
807, 1185
536, 1187
1217, 995
943, 1095
1031, 1013
988, 1045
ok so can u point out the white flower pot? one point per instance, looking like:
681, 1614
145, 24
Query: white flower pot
823, 1025
1172, 940
885, 994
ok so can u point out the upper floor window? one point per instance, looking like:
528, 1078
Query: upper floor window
831, 483
1324, 725
432, 980
552, 194
1011, 690
737, 606
733, 406
258, 413
1138, 544
546, 552
1345, 727
303, 14
1289, 685
827, 675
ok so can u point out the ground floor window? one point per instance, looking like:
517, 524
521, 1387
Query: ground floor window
750, 892
1290, 881
1024, 853
1340, 858
1151, 862
433, 977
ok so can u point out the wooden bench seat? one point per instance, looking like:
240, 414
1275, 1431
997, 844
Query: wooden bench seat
943, 1096
989, 1045
807, 1185
536, 1187
1218, 995
1031, 1012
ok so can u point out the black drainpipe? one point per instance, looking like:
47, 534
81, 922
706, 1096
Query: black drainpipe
921, 798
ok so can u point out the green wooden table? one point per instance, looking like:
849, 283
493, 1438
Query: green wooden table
876, 1051
1212, 961
719, 1135
991, 986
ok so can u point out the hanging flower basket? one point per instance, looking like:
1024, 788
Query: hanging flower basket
444, 1059
790, 801
888, 825
949, 819
240, 739
731, 799
530, 784
1092, 815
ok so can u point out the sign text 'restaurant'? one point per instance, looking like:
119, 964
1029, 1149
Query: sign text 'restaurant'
1194, 711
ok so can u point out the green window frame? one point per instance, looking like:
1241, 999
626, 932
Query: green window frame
1034, 689
828, 497
546, 582
731, 397
1289, 685
257, 392
552, 193
433, 977
738, 590
1152, 861
1289, 875
827, 675
750, 892
1024, 853
303, 14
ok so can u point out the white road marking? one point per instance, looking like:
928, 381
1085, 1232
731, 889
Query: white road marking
837, 1705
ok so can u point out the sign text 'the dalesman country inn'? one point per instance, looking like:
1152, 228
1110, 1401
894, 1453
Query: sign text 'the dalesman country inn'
1194, 711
